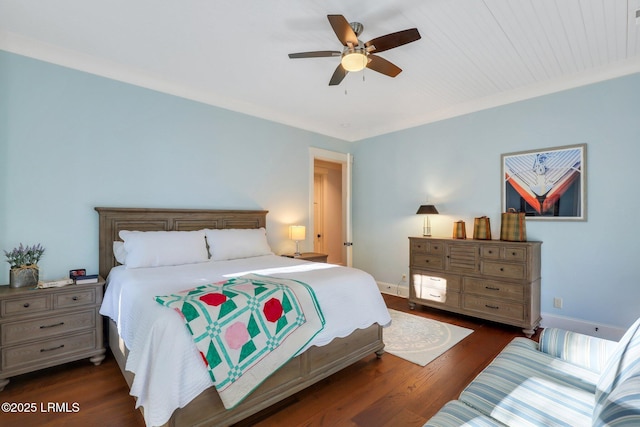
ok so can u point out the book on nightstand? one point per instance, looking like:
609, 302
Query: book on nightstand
88, 278
55, 283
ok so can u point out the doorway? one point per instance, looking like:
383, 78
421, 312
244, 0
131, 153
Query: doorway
327, 210
330, 204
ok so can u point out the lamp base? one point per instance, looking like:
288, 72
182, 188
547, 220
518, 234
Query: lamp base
426, 228
297, 252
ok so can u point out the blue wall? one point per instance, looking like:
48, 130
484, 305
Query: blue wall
71, 141
456, 164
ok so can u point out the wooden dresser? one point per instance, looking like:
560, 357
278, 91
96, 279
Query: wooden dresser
489, 279
46, 327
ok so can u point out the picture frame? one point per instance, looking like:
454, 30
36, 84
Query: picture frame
546, 184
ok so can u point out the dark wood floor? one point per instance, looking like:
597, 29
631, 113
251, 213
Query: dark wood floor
373, 392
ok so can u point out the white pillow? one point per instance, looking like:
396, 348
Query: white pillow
160, 248
119, 253
236, 243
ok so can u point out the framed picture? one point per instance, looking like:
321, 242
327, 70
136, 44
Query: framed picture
547, 184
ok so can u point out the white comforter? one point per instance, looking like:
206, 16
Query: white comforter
168, 370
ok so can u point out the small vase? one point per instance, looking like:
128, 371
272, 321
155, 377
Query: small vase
23, 277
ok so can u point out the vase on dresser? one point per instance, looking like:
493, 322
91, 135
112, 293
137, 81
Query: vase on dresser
25, 276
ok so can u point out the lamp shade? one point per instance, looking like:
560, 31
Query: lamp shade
297, 232
427, 209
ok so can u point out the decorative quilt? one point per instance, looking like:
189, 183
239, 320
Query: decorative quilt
247, 327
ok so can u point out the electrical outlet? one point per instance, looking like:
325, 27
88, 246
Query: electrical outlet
557, 302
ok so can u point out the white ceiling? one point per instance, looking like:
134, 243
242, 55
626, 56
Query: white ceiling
474, 54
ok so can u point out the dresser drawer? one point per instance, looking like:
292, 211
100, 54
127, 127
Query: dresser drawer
449, 282
29, 354
436, 297
25, 306
503, 269
28, 330
427, 261
75, 299
493, 288
494, 308
426, 246
491, 252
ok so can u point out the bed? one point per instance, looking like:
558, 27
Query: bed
194, 402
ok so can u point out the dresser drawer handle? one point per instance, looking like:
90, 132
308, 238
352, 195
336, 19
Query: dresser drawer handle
513, 253
51, 326
75, 298
501, 268
490, 252
26, 305
42, 350
491, 288
495, 307
434, 296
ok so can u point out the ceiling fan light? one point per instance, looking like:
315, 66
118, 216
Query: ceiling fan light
354, 61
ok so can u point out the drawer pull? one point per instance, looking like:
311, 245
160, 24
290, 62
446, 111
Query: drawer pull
51, 326
75, 298
42, 350
495, 307
492, 288
501, 268
434, 296
26, 305
513, 253
490, 252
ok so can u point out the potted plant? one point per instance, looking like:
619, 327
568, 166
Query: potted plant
24, 265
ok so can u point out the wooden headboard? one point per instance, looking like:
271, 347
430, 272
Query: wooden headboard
112, 220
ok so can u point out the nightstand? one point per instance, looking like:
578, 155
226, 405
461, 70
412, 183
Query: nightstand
40, 328
309, 256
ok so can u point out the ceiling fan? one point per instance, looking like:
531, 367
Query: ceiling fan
357, 55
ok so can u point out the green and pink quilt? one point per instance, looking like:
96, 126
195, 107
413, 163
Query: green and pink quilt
247, 327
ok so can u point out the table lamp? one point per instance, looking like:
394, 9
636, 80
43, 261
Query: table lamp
427, 210
297, 233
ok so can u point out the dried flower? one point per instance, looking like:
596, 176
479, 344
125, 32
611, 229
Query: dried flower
24, 256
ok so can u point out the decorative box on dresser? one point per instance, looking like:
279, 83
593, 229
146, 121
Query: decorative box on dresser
490, 279
40, 328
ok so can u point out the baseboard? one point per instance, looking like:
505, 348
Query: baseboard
582, 326
393, 289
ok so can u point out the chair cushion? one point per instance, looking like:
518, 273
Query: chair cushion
612, 391
525, 387
457, 414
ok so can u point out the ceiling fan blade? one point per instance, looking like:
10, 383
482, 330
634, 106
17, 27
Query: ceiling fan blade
381, 65
316, 54
392, 40
343, 30
338, 75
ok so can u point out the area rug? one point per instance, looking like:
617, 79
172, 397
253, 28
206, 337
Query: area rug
420, 340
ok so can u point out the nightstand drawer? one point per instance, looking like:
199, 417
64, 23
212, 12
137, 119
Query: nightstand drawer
29, 354
74, 299
14, 333
22, 306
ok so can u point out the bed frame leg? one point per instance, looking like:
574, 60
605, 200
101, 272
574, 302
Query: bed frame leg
379, 353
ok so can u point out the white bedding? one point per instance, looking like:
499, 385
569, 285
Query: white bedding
168, 370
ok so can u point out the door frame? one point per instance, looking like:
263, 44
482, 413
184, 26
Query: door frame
346, 160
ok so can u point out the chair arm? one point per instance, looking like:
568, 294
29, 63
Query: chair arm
580, 349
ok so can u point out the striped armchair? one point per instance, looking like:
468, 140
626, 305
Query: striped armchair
567, 379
